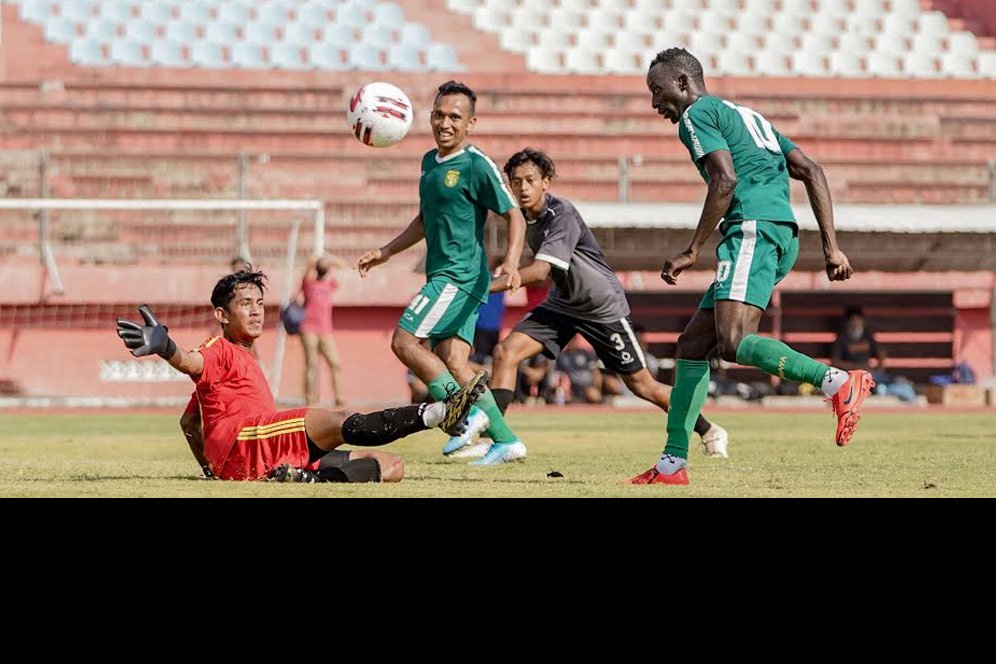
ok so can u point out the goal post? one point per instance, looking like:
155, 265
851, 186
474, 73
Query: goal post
94, 255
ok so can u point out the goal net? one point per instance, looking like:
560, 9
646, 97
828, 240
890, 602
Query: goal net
70, 267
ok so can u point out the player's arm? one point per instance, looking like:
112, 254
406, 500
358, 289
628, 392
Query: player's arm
414, 233
190, 424
509, 269
802, 168
722, 183
152, 338
536, 272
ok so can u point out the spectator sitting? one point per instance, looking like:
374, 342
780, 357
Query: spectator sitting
856, 348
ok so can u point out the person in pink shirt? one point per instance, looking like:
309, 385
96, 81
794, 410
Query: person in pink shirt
316, 328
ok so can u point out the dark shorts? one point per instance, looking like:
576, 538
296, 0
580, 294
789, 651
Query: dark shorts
614, 342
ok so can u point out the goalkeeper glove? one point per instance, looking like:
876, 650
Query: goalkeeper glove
151, 338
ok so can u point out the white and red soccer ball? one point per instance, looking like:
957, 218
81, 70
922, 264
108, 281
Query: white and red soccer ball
379, 114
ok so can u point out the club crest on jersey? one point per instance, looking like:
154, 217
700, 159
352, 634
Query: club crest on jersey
452, 177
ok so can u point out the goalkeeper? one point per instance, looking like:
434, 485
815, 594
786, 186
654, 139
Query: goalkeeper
237, 432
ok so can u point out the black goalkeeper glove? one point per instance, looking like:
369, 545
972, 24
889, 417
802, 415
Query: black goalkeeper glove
149, 339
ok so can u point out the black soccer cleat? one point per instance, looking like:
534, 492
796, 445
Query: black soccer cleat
458, 404
288, 473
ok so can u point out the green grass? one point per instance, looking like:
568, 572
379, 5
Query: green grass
773, 455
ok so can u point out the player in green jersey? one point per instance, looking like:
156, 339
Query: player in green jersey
747, 165
458, 186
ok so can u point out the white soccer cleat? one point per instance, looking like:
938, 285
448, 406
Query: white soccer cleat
477, 423
715, 441
475, 451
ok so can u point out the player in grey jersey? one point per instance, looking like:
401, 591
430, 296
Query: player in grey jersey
587, 299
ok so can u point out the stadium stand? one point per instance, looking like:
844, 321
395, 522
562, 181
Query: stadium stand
859, 85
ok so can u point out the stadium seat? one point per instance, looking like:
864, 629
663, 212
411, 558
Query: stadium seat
128, 53
623, 61
987, 64
891, 43
352, 15
838, 8
377, 35
798, 8
274, 13
286, 55
605, 19
197, 12
809, 63
389, 15
565, 19
847, 63
87, 52
728, 7
827, 25
167, 53
958, 65
248, 55
869, 10
221, 32
314, 14
416, 34
933, 23
365, 57
464, 6
778, 42
529, 19
338, 35
963, 42
927, 43
897, 24
182, 31
140, 30
885, 65
907, 8
788, 24
771, 64
102, 30
813, 42
37, 10
156, 12
117, 10
234, 12
79, 11
554, 40
544, 60
208, 54
733, 62
757, 8
920, 64
715, 22
442, 57
581, 61
575, 5
406, 57
518, 41
327, 56
60, 30
492, 19
594, 40
299, 34
852, 43
752, 24
258, 32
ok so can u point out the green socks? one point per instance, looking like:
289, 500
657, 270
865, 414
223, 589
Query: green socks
691, 387
773, 357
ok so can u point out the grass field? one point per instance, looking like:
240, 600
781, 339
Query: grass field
917, 454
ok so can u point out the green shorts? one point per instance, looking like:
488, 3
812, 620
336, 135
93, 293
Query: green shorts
752, 258
441, 311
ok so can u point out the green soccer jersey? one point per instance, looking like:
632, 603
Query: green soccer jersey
758, 152
455, 194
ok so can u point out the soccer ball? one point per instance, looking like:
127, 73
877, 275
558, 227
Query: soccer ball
379, 114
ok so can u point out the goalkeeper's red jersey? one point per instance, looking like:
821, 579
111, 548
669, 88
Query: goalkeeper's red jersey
231, 389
